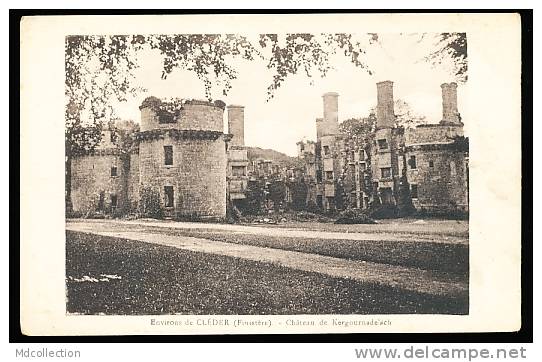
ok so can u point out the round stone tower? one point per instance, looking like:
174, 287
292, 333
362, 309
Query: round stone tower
183, 157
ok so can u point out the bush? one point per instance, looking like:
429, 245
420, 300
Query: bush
236, 213
446, 213
354, 216
233, 214
313, 208
71, 214
384, 212
150, 205
117, 213
304, 216
254, 198
94, 215
299, 192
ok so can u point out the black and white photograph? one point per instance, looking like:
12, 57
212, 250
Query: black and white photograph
278, 177
180, 201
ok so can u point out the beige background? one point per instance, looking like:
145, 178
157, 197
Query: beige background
494, 104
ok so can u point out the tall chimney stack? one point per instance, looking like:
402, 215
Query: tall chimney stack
385, 116
449, 103
330, 124
236, 124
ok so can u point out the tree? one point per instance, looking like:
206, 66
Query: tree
124, 136
150, 205
98, 70
359, 133
308, 53
277, 193
254, 197
450, 47
340, 195
299, 191
359, 128
405, 116
404, 202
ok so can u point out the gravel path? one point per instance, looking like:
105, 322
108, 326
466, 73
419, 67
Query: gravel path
280, 231
389, 275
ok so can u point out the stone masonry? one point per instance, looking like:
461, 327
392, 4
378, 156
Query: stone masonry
182, 155
424, 163
237, 176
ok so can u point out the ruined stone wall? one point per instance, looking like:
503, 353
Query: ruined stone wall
198, 171
306, 150
133, 181
432, 133
397, 147
311, 194
201, 115
381, 158
310, 147
195, 115
198, 174
329, 162
319, 128
441, 178
353, 166
149, 120
237, 184
91, 175
442, 186
310, 170
237, 154
390, 157
310, 176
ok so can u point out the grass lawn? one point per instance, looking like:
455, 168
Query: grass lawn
439, 227
164, 280
449, 261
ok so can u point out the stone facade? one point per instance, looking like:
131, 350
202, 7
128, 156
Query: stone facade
133, 181
98, 182
424, 166
237, 173
264, 169
327, 162
440, 179
181, 114
307, 151
197, 174
182, 155
437, 168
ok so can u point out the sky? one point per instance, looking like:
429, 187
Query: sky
290, 116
